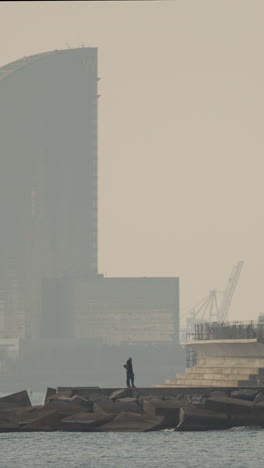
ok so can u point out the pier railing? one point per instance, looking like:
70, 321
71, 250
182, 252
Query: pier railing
227, 331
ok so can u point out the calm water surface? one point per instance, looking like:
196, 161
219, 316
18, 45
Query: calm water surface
235, 448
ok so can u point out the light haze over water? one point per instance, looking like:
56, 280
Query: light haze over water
181, 188
180, 133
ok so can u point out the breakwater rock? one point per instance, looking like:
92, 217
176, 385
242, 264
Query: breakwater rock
92, 409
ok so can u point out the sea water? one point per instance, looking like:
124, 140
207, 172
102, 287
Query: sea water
239, 448
233, 448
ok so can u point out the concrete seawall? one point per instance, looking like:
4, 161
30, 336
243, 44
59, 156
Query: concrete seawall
91, 409
157, 392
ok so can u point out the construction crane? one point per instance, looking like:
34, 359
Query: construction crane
229, 292
208, 308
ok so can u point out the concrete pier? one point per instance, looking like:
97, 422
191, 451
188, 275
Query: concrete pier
224, 363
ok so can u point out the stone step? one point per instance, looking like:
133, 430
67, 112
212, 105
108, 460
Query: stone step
185, 381
216, 376
204, 383
224, 370
249, 383
230, 362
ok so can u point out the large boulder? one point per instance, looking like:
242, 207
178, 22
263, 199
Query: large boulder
9, 419
259, 406
12, 415
46, 422
168, 409
253, 417
16, 400
259, 398
86, 422
218, 393
128, 400
32, 414
131, 422
240, 412
121, 393
117, 406
49, 393
245, 394
194, 419
246, 419
9, 427
81, 401
68, 406
258, 413
57, 395
198, 401
228, 405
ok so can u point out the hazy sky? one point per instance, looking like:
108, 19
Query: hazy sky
181, 141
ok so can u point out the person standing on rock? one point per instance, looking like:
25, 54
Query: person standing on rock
129, 373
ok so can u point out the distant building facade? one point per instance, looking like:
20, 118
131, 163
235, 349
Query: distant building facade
51, 294
48, 176
136, 311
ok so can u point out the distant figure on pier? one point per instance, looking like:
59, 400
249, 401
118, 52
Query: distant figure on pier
129, 373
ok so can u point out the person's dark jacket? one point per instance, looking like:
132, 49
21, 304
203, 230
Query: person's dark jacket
129, 367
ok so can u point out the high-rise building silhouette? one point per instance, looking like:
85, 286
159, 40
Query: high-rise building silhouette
69, 319
48, 177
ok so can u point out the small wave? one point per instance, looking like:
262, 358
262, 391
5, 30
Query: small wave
246, 428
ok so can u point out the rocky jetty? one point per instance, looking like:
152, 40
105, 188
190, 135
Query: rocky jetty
132, 410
